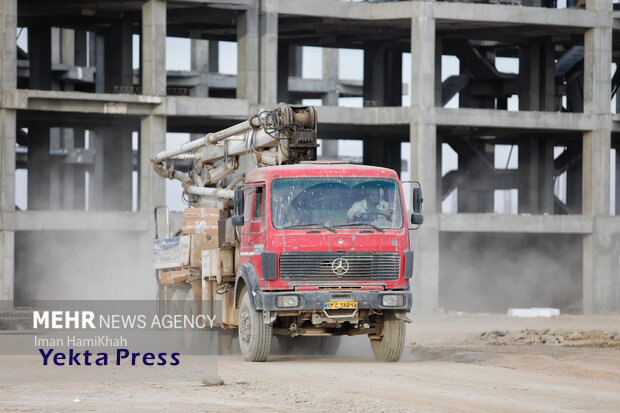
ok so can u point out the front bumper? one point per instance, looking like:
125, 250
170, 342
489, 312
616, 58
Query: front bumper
315, 300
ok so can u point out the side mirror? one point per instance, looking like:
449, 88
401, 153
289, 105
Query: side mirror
239, 202
417, 200
237, 220
417, 219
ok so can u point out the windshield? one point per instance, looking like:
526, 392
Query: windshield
333, 202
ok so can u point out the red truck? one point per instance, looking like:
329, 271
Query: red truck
307, 252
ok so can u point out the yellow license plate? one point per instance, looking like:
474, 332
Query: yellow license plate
339, 305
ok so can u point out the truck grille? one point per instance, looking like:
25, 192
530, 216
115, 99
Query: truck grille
322, 266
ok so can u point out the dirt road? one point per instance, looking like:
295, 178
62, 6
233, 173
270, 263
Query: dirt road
448, 366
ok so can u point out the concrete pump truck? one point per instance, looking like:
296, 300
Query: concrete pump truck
287, 246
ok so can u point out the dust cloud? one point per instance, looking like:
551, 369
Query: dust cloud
495, 272
82, 265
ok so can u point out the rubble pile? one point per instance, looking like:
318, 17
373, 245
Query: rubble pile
558, 337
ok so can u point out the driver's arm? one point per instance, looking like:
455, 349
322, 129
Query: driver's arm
356, 210
385, 208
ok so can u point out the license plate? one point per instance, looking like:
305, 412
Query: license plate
339, 305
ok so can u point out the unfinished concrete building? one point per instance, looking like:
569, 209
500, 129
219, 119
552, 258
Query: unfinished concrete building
73, 103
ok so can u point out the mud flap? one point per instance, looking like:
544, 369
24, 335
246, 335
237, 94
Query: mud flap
403, 316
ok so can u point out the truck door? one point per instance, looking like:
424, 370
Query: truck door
252, 232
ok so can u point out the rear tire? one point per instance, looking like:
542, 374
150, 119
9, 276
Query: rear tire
254, 335
390, 346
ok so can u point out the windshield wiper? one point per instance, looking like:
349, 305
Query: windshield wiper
327, 227
352, 224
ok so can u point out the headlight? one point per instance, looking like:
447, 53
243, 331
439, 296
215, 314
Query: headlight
392, 300
287, 301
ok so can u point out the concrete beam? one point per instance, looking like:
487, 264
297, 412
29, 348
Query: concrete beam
154, 47
320, 8
75, 221
536, 224
517, 120
370, 116
507, 14
201, 107
80, 102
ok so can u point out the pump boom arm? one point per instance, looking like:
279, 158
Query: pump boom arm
283, 136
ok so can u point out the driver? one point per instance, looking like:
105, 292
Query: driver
371, 204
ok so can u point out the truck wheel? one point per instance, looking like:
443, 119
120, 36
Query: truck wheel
329, 345
254, 335
191, 338
390, 346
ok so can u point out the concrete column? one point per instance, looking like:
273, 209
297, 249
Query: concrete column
100, 44
529, 77
382, 152
81, 50
268, 57
67, 46
154, 47
79, 177
111, 179
95, 177
547, 98
92, 48
118, 55
200, 53
476, 193
152, 188
597, 247
117, 167
39, 163
7, 156
8, 130
536, 176
574, 180
425, 241
330, 73
284, 50
438, 83
40, 56
8, 47
329, 149
152, 140
382, 75
295, 61
247, 55
618, 180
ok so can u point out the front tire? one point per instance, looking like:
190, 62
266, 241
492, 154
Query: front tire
254, 335
390, 346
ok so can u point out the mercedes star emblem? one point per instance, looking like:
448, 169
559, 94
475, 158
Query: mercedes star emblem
340, 266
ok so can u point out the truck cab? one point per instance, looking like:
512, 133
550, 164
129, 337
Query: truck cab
324, 251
